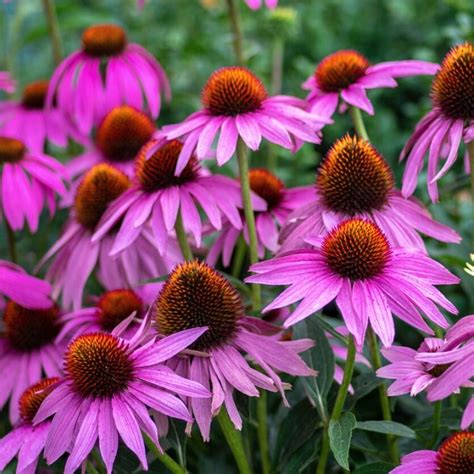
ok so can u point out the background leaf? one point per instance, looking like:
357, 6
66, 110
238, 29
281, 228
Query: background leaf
340, 434
386, 427
375, 468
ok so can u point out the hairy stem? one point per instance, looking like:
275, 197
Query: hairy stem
237, 38
164, 458
182, 238
239, 256
358, 122
53, 29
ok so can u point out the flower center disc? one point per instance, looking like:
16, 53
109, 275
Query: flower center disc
356, 249
104, 40
123, 132
340, 69
11, 150
456, 454
267, 186
34, 95
33, 396
30, 329
157, 171
232, 91
453, 86
99, 187
117, 305
354, 177
98, 365
196, 295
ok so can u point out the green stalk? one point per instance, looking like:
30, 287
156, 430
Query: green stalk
239, 256
182, 238
90, 469
338, 404
166, 460
11, 242
262, 432
358, 122
470, 152
384, 401
237, 38
438, 406
53, 29
235, 441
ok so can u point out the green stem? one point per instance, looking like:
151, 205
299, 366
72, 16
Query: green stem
182, 238
237, 38
262, 431
338, 404
239, 256
470, 152
277, 64
11, 242
383, 397
166, 460
53, 29
358, 122
90, 469
436, 421
235, 442
98, 460
242, 158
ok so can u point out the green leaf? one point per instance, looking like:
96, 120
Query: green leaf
375, 468
386, 427
364, 384
340, 434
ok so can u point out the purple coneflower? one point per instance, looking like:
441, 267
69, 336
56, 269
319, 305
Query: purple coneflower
280, 202
159, 197
355, 180
26, 441
349, 74
455, 455
256, 4
468, 416
76, 256
7, 83
29, 181
451, 121
196, 294
27, 350
85, 92
236, 104
108, 387
369, 279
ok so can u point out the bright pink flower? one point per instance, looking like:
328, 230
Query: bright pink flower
26, 290
256, 4
76, 256
196, 294
27, 351
25, 441
349, 74
468, 416
451, 121
236, 104
453, 456
370, 280
29, 182
355, 180
109, 385
132, 76
7, 83
280, 203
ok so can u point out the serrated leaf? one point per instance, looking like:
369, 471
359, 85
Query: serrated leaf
386, 427
340, 435
375, 468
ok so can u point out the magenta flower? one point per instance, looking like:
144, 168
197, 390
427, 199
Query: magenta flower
26, 290
158, 195
29, 121
196, 294
256, 4
451, 121
349, 74
27, 351
453, 456
355, 180
236, 104
468, 416
280, 202
109, 385
86, 93
370, 280
29, 182
25, 441
7, 83
76, 257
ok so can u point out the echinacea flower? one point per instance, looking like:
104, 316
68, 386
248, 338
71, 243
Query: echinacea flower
107, 72
76, 256
158, 196
108, 387
256, 4
454, 456
24, 289
29, 121
27, 350
29, 181
468, 416
194, 295
369, 279
7, 83
348, 74
26, 441
355, 180
280, 201
236, 104
450, 121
